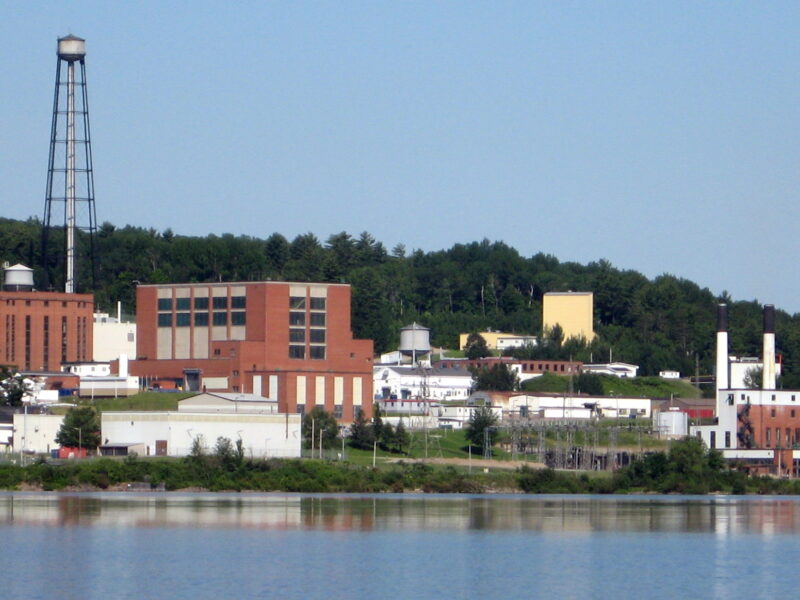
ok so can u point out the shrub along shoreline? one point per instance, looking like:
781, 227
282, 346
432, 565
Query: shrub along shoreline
688, 468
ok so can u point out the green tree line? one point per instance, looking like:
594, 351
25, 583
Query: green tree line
661, 323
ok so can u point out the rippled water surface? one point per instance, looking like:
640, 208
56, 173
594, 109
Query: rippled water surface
397, 546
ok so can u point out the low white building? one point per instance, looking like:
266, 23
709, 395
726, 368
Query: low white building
97, 381
616, 369
396, 383
516, 341
576, 407
91, 368
264, 432
669, 374
456, 416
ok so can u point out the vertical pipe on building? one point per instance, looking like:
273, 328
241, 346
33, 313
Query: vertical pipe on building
768, 371
723, 365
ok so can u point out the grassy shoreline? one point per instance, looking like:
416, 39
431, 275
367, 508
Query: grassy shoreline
230, 474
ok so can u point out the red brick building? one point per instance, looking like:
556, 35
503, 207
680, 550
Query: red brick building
287, 341
558, 367
41, 330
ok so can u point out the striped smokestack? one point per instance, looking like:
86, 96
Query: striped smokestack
768, 371
723, 379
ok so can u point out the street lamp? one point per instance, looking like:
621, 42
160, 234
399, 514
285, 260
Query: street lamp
80, 435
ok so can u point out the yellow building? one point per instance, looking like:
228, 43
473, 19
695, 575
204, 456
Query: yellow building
573, 311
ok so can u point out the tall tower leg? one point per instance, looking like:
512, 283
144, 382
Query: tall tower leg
69, 173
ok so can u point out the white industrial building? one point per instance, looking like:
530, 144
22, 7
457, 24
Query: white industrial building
759, 428
559, 406
394, 384
206, 417
516, 341
36, 434
579, 407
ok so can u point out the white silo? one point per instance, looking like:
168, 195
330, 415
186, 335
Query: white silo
18, 278
415, 341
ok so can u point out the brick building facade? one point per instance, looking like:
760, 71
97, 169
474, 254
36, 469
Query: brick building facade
287, 341
41, 330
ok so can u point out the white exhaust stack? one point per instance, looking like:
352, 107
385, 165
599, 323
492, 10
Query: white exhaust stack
768, 371
723, 378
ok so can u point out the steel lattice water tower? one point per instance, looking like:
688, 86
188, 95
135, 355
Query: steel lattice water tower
69, 173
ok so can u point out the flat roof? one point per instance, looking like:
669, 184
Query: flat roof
229, 283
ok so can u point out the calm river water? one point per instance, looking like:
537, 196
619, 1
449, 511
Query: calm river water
286, 546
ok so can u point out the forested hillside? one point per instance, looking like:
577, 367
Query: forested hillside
664, 323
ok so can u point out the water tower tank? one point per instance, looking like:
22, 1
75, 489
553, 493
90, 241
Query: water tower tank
18, 278
415, 340
71, 48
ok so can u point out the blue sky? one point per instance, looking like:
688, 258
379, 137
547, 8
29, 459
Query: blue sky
662, 136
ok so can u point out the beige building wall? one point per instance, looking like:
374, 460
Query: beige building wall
573, 311
111, 340
491, 338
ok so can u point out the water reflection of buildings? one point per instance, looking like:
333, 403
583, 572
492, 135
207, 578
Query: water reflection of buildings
544, 514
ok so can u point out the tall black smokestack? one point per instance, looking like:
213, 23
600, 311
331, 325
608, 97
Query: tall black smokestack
722, 317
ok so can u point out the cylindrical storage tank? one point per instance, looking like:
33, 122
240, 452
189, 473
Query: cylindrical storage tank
673, 422
71, 48
18, 278
415, 339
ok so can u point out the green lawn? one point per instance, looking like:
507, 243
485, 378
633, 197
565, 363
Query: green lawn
637, 387
649, 387
146, 401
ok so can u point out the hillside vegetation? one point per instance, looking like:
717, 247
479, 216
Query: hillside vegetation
638, 387
663, 323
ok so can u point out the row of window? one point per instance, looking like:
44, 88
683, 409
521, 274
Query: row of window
744, 397
314, 352
201, 319
10, 302
788, 440
315, 336
299, 303
314, 319
201, 303
525, 366
772, 413
713, 440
